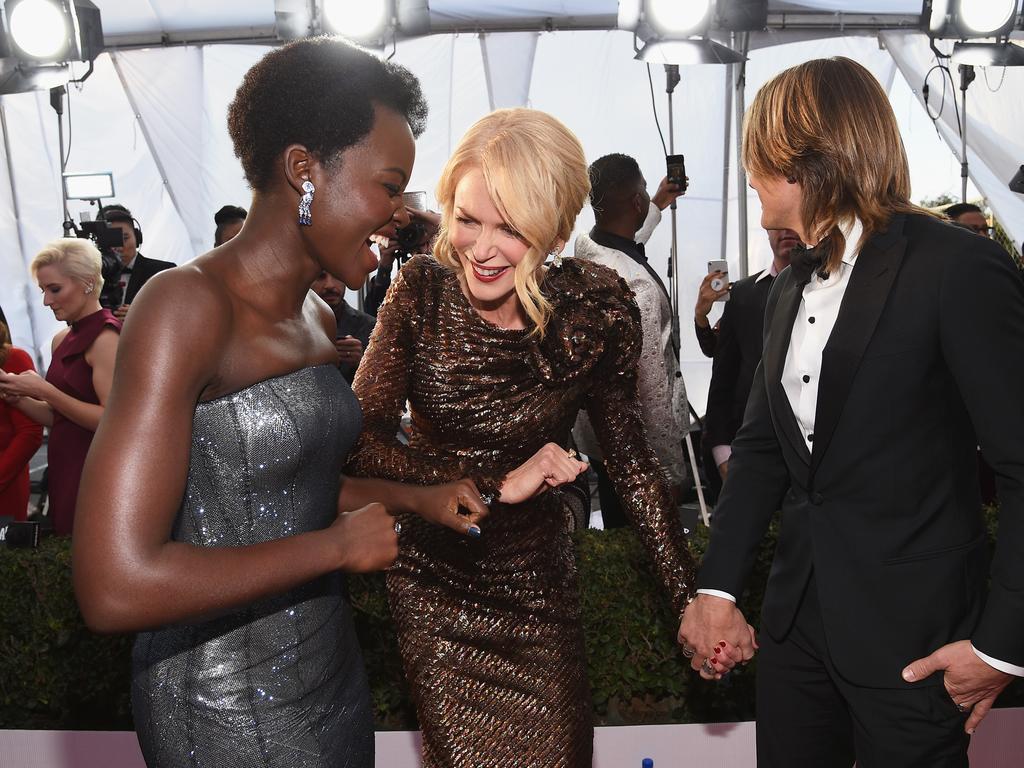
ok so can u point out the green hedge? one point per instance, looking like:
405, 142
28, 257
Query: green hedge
54, 673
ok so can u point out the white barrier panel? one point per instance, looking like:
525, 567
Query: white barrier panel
999, 743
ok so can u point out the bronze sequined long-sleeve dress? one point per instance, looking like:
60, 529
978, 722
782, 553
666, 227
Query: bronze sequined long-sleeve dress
489, 629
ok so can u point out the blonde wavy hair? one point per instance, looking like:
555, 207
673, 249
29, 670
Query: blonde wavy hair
828, 125
536, 175
75, 257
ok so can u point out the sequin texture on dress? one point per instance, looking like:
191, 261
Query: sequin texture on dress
489, 628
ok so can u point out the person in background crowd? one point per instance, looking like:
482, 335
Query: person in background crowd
354, 327
20, 436
892, 348
213, 515
229, 220
970, 216
625, 217
495, 353
135, 269
707, 334
738, 350
392, 250
73, 396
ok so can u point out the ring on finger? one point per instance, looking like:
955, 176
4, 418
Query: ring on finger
706, 667
689, 651
571, 453
961, 708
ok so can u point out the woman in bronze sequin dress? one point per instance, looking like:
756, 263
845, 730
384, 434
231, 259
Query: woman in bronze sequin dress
496, 353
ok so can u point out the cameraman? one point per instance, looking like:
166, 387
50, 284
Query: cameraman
410, 231
134, 269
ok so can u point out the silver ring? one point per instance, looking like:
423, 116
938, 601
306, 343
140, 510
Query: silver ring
689, 651
706, 668
961, 708
398, 526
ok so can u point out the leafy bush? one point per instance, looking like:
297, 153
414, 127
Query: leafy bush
54, 673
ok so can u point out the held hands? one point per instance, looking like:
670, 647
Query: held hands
707, 296
715, 636
971, 683
549, 467
26, 384
440, 504
366, 539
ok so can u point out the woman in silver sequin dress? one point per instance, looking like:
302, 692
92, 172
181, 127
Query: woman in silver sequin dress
209, 512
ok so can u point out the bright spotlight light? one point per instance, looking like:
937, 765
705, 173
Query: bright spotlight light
986, 17
39, 28
676, 17
358, 19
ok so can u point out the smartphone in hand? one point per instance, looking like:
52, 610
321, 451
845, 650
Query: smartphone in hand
676, 171
721, 282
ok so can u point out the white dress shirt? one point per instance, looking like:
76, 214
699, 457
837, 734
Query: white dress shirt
815, 319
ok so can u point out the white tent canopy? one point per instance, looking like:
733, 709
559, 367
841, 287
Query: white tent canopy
155, 118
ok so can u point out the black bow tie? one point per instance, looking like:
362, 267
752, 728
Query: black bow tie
806, 261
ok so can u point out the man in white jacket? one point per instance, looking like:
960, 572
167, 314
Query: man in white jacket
625, 217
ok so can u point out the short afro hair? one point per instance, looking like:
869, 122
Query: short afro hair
319, 92
613, 178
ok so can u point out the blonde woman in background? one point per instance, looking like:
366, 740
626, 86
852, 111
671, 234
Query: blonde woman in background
71, 398
496, 352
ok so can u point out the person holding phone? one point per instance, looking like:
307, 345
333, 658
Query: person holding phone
625, 217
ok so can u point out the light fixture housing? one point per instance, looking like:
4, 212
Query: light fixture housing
1005, 54
967, 19
52, 31
89, 186
673, 18
686, 52
365, 21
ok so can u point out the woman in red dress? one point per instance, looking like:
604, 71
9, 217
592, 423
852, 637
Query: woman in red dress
70, 399
20, 437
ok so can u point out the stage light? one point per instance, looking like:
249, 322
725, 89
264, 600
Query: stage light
89, 186
40, 29
687, 52
964, 19
357, 19
678, 19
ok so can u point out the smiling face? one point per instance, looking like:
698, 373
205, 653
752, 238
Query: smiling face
488, 246
358, 194
65, 296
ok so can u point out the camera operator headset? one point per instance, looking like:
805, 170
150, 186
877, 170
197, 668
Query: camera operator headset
135, 269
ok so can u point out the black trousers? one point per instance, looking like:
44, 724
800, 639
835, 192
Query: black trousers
612, 514
808, 715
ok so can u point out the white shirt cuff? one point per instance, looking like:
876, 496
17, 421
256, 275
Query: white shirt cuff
1002, 666
717, 593
721, 454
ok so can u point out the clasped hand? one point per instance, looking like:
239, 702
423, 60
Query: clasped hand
715, 636
549, 467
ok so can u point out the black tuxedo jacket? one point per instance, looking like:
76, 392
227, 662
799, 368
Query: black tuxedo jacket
736, 357
924, 363
142, 270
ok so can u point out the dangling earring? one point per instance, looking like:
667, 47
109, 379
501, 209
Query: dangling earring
556, 257
305, 202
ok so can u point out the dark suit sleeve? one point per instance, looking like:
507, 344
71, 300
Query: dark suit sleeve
719, 428
758, 479
707, 338
981, 317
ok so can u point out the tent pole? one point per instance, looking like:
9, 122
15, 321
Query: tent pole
726, 153
966, 78
741, 173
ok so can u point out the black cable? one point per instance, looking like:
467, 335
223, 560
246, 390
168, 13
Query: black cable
654, 108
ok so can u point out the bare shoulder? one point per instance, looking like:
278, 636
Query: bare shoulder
58, 338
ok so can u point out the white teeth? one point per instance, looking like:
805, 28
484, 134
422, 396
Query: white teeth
488, 272
380, 240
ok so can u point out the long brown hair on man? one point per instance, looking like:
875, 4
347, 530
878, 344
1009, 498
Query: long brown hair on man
850, 162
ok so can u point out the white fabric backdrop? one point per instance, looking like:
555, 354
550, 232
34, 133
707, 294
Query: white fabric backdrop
157, 121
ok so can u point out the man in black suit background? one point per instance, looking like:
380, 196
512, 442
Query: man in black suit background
738, 350
891, 350
136, 269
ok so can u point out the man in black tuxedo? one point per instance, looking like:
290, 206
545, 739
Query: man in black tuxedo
891, 350
738, 350
136, 269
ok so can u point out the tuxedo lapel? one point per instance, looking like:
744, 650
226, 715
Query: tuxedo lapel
870, 283
138, 277
779, 329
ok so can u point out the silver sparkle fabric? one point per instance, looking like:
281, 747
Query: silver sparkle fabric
279, 682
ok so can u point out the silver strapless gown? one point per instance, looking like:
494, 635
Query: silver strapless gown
279, 682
